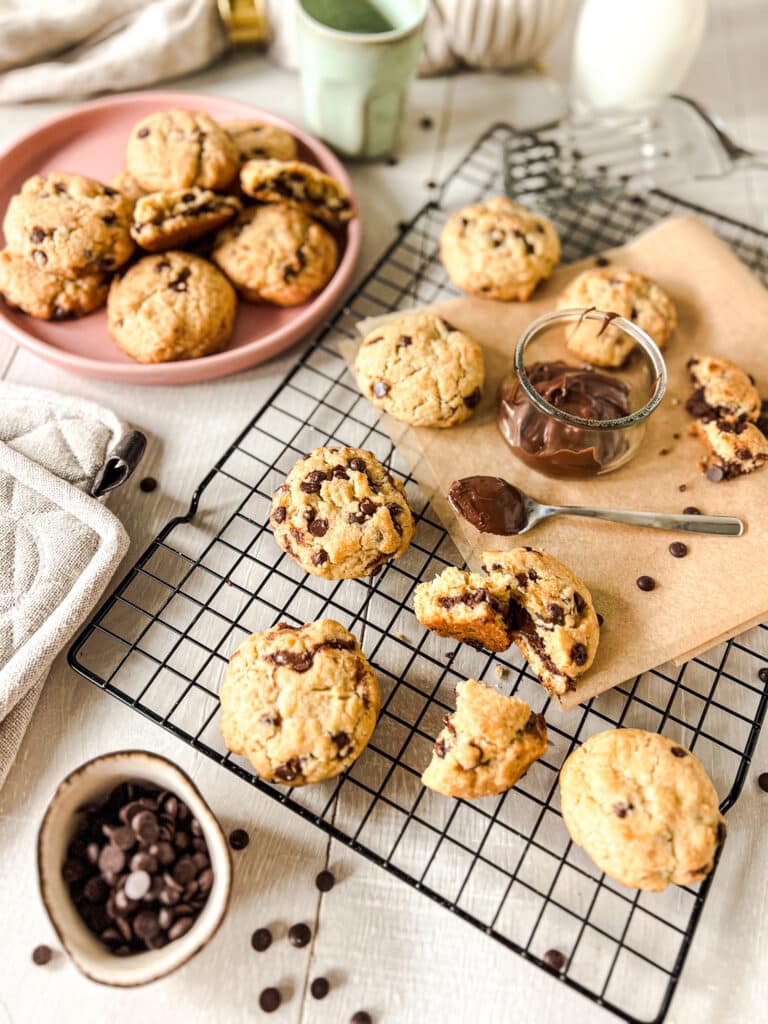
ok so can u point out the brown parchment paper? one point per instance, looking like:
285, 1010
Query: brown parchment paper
721, 587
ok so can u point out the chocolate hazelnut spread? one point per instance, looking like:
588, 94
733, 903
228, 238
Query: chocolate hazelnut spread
551, 445
489, 503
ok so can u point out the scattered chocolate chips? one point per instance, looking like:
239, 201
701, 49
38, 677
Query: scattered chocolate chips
319, 988
646, 583
261, 939
600, 619
555, 959
325, 881
357, 464
762, 781
425, 123
37, 235
677, 549
556, 614
142, 133
41, 955
299, 935
715, 474
138, 869
762, 675
682, 487
269, 1000
360, 1017
691, 510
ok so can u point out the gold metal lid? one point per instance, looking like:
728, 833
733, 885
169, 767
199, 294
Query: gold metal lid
246, 21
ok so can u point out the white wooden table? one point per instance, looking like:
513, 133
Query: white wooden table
383, 946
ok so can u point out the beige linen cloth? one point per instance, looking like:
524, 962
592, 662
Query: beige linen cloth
59, 547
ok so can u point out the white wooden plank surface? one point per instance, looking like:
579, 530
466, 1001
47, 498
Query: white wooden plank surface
383, 945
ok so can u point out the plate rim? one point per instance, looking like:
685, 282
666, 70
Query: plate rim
229, 361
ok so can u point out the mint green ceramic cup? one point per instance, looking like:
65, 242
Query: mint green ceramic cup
355, 83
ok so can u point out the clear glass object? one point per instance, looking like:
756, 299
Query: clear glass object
539, 401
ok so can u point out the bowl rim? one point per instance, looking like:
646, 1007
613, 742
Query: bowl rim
212, 826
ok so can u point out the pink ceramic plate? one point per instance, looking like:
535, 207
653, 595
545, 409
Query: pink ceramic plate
91, 140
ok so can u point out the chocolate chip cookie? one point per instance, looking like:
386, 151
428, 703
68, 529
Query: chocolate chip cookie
166, 220
628, 294
317, 193
69, 225
127, 184
723, 391
498, 249
49, 296
172, 306
487, 744
277, 254
299, 703
421, 370
177, 149
256, 140
340, 515
735, 447
643, 808
525, 597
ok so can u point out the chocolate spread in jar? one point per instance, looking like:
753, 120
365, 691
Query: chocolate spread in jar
555, 447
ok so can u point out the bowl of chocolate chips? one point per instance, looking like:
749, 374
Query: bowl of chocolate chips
134, 869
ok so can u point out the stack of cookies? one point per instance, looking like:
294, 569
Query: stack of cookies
224, 210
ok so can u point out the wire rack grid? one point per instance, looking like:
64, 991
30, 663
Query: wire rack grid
161, 641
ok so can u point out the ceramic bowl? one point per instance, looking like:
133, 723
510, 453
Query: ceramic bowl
90, 783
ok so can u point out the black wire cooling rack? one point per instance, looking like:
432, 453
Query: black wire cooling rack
161, 642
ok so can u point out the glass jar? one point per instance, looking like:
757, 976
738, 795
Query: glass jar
566, 418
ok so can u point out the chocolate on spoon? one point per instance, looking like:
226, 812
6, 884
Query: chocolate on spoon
493, 505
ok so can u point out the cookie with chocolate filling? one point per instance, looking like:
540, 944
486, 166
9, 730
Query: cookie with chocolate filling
299, 702
168, 220
487, 744
341, 515
735, 447
723, 391
292, 181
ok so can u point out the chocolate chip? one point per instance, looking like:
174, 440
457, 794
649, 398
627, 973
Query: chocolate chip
602, 261
180, 927
600, 619
325, 881
319, 988
579, 603
380, 388
279, 514
299, 935
762, 781
41, 955
645, 583
342, 743
743, 454
137, 885
142, 133
425, 123
762, 675
691, 510
722, 832
678, 752
37, 235
313, 481
111, 860
555, 959
715, 474
290, 771
320, 557
556, 614
357, 464
147, 484
261, 939
677, 549
473, 398
579, 654
404, 341
239, 839
682, 487
146, 924
522, 580
146, 828
269, 999
360, 1017
39, 257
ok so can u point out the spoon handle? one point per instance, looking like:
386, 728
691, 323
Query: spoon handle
725, 526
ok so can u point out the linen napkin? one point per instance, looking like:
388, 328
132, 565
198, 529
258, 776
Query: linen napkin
59, 546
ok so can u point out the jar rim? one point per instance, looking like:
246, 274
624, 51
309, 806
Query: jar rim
646, 344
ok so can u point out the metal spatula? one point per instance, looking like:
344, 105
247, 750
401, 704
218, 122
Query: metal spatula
629, 151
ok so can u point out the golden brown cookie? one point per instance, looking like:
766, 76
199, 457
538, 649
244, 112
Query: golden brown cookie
340, 514
171, 306
69, 225
487, 744
722, 390
299, 703
735, 447
127, 184
276, 254
167, 220
525, 597
628, 294
498, 249
176, 149
257, 140
643, 808
292, 181
421, 370
48, 296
